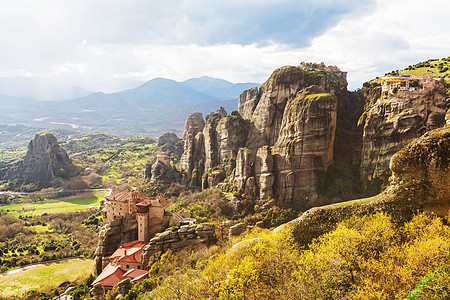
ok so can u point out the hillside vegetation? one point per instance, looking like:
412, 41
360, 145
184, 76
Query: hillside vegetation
363, 258
111, 161
435, 67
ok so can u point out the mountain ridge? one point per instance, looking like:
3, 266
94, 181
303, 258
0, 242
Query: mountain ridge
150, 109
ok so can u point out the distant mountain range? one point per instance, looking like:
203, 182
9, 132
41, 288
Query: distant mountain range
152, 108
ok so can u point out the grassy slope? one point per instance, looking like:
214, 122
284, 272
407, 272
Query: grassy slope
434, 286
66, 204
120, 160
44, 275
437, 68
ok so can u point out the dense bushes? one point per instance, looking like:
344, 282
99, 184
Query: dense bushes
204, 206
364, 258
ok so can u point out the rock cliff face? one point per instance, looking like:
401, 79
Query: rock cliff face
44, 161
394, 121
110, 237
305, 144
420, 181
193, 158
277, 144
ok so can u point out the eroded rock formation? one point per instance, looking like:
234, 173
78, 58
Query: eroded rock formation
193, 158
168, 138
44, 161
277, 143
394, 121
111, 236
305, 144
420, 181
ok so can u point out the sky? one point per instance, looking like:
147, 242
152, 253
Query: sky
110, 45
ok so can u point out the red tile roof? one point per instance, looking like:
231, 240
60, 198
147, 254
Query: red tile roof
129, 252
110, 276
133, 273
113, 274
127, 196
138, 198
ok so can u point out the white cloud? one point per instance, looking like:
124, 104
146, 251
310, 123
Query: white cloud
398, 34
125, 42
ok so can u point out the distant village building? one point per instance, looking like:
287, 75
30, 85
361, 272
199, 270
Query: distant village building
331, 69
152, 215
125, 262
404, 83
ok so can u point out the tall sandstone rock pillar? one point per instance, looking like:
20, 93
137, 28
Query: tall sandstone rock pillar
193, 158
44, 161
279, 142
304, 148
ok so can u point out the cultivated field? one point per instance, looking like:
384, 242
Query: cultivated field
18, 281
59, 205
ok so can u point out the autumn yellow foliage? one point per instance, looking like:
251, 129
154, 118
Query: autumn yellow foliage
363, 258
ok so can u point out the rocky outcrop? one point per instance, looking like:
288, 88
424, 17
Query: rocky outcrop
98, 292
172, 145
394, 121
193, 158
162, 170
420, 181
305, 145
280, 140
44, 161
110, 238
168, 138
211, 140
123, 287
237, 229
185, 236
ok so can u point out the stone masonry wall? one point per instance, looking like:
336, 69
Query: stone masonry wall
184, 237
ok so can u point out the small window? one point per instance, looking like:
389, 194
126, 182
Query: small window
139, 267
128, 266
